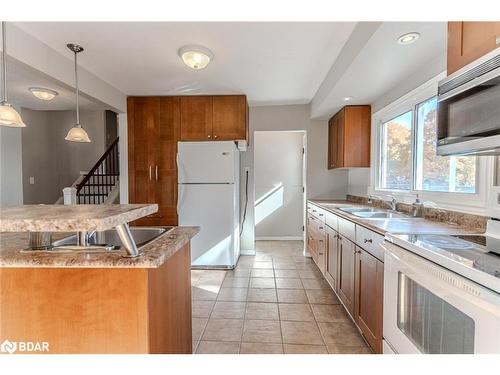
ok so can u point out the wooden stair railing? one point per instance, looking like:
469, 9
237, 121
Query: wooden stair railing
98, 183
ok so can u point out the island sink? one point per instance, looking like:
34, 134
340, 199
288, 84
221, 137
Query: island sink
108, 240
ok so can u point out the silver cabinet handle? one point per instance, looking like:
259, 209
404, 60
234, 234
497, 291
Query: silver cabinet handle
216, 136
150, 174
156, 172
209, 136
368, 240
321, 228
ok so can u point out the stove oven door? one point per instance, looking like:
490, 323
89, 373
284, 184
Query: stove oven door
429, 309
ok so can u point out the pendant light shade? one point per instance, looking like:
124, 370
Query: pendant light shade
77, 133
8, 115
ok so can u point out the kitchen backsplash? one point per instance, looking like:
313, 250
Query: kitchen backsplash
431, 213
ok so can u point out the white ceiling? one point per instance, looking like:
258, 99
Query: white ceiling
273, 63
383, 64
20, 78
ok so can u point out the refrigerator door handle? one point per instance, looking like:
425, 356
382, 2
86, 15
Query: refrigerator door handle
179, 198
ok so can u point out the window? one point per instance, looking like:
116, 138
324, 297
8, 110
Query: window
434, 172
396, 153
408, 159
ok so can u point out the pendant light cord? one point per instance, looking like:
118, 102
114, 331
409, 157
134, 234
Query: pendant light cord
4, 63
77, 91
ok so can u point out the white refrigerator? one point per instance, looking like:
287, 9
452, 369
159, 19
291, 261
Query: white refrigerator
208, 197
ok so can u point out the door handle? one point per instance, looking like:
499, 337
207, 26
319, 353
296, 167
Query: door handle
150, 174
156, 172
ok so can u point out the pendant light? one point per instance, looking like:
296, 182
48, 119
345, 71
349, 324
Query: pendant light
77, 133
8, 115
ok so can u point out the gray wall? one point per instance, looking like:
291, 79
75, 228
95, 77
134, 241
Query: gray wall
54, 162
320, 182
11, 180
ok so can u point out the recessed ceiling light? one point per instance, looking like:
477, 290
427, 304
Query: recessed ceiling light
348, 98
408, 38
43, 94
196, 57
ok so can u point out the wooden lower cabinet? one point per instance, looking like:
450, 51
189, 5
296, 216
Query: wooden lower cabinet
100, 310
369, 297
346, 273
332, 257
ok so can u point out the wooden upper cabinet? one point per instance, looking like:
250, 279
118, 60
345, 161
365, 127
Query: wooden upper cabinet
214, 118
468, 41
369, 297
349, 137
229, 117
196, 118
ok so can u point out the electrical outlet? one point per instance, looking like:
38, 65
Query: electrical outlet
32, 180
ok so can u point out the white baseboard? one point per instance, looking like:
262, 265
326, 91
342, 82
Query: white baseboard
282, 238
247, 252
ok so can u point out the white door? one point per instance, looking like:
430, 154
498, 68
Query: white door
212, 208
278, 176
207, 162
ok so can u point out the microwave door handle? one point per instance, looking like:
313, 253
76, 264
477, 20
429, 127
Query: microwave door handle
468, 85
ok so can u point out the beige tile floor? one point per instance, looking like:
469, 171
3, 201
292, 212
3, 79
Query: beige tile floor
272, 303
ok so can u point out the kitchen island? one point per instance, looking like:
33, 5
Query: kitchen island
98, 302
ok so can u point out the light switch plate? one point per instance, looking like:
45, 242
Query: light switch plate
32, 180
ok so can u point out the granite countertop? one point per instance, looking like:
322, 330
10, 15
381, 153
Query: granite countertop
71, 218
395, 225
154, 253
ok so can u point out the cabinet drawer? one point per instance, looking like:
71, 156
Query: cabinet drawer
317, 212
331, 220
370, 241
347, 229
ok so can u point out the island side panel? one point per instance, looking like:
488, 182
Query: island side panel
170, 305
76, 310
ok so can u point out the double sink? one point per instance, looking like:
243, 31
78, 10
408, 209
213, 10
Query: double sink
374, 213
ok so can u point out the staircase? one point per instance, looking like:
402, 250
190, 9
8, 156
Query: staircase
102, 179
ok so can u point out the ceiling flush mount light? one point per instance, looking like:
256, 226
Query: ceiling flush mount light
196, 57
8, 115
348, 98
77, 133
408, 38
43, 94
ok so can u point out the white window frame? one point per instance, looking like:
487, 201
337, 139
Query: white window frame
465, 202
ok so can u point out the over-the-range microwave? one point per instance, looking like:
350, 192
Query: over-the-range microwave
469, 109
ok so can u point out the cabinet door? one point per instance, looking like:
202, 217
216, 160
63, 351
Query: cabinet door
340, 139
229, 117
332, 256
332, 142
346, 273
143, 120
165, 172
369, 297
196, 118
356, 136
468, 41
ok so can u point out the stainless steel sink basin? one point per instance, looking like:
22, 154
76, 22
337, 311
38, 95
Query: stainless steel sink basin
381, 215
141, 235
359, 209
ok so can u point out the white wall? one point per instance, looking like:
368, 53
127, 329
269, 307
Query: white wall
320, 182
123, 153
359, 179
278, 168
11, 178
